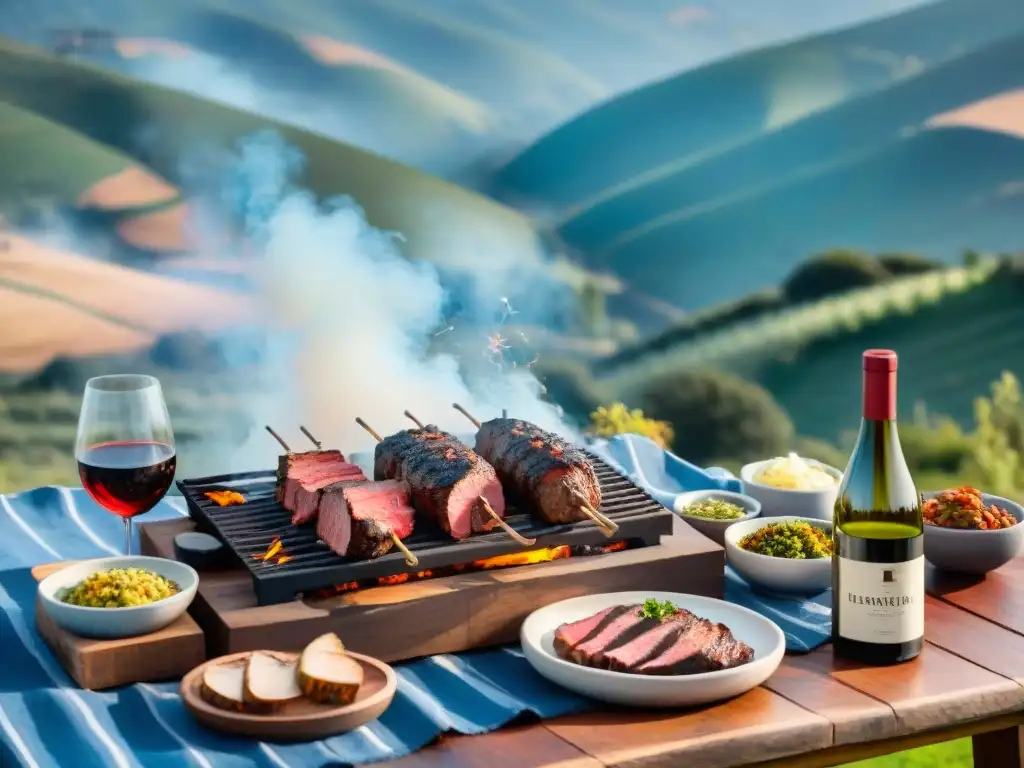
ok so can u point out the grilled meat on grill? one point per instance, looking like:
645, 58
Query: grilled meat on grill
446, 478
358, 519
540, 469
620, 638
302, 476
307, 495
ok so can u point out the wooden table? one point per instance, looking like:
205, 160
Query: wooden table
815, 711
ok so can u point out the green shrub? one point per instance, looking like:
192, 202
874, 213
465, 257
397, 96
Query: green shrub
898, 264
831, 273
998, 440
937, 447
717, 415
1011, 267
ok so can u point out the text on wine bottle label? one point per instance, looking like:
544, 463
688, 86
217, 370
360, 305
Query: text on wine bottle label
881, 602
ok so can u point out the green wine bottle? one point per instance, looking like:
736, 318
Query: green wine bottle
878, 581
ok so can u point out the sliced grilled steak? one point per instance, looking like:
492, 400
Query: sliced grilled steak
292, 462
702, 646
539, 469
568, 636
446, 479
293, 468
357, 519
306, 493
619, 631
650, 644
620, 639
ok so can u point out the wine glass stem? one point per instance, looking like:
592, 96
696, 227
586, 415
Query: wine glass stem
127, 535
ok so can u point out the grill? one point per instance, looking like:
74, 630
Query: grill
249, 529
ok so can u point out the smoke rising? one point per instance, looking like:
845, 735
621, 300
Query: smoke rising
350, 322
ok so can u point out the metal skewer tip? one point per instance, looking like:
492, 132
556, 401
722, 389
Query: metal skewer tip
278, 438
317, 443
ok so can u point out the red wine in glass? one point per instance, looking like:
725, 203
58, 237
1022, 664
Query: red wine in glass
128, 477
125, 446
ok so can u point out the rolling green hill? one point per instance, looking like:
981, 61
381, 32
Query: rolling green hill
955, 331
797, 149
529, 85
668, 125
373, 94
119, 112
935, 192
42, 158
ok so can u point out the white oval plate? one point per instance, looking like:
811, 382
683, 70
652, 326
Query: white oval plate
761, 634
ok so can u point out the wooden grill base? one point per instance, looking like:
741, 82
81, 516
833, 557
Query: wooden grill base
441, 615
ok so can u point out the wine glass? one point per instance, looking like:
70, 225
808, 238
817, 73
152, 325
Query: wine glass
125, 447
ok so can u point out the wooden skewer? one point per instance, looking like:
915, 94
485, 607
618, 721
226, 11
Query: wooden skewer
416, 421
410, 559
608, 528
317, 443
519, 538
279, 439
466, 413
369, 429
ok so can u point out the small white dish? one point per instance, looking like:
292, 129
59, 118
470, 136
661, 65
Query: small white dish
779, 574
117, 622
788, 502
715, 529
761, 634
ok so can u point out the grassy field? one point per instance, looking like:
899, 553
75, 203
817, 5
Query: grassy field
955, 331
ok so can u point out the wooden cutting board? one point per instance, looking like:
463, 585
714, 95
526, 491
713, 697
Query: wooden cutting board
167, 654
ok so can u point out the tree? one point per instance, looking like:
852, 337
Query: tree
833, 272
897, 264
717, 415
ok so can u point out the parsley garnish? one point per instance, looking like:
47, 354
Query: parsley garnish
652, 609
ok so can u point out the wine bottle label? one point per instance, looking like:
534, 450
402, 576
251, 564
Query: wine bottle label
881, 602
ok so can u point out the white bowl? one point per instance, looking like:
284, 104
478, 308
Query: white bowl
961, 550
117, 622
767, 640
715, 529
779, 574
786, 502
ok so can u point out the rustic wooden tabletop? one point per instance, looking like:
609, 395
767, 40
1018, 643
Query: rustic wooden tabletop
816, 710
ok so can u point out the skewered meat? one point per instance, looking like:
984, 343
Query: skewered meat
622, 639
301, 476
446, 477
540, 469
306, 499
357, 519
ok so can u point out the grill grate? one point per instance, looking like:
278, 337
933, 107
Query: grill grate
249, 529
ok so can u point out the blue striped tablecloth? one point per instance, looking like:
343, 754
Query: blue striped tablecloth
46, 721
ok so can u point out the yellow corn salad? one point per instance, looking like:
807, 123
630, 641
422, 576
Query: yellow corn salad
120, 588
